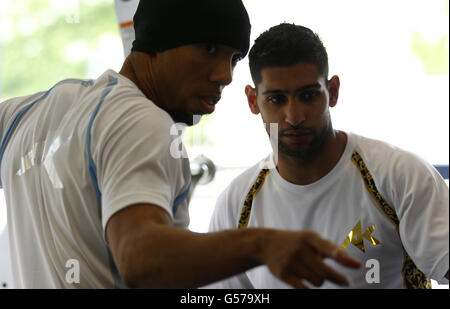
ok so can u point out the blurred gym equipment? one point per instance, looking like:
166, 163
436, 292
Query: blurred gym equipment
203, 171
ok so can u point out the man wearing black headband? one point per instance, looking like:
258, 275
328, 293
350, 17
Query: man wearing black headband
96, 197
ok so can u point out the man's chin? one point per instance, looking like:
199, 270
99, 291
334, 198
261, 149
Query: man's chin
303, 152
189, 120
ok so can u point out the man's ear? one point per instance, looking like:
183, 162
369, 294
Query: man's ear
250, 92
333, 89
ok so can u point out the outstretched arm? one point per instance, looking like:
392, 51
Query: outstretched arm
149, 252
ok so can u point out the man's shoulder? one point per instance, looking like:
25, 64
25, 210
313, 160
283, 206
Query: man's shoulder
383, 159
116, 86
230, 201
368, 143
378, 150
125, 101
241, 184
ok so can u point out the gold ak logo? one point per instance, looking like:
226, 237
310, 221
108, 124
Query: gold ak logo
356, 237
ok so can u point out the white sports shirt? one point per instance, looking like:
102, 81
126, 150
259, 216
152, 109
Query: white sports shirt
71, 158
389, 222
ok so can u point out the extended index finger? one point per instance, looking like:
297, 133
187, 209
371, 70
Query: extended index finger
328, 249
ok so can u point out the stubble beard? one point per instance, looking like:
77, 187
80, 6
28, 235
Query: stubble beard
311, 151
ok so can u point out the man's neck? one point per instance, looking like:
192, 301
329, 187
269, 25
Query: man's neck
303, 172
137, 69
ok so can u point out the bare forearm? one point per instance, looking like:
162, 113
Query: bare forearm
150, 253
179, 258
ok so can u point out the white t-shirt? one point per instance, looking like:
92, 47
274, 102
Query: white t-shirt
79, 135
340, 203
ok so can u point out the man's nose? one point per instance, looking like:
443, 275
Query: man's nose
294, 112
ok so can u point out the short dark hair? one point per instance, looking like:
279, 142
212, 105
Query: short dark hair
286, 45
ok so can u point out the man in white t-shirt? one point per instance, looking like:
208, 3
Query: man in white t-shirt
382, 205
94, 180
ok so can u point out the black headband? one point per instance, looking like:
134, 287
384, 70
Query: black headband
164, 24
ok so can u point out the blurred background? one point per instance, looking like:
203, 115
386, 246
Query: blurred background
392, 58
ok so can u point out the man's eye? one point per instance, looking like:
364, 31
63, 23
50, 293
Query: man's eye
210, 48
308, 96
276, 99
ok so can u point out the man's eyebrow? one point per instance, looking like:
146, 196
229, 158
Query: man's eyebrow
313, 85
275, 91
279, 91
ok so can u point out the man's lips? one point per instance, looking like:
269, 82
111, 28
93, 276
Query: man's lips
208, 103
297, 136
210, 99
